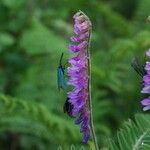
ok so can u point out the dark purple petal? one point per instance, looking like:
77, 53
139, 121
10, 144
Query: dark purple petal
84, 126
80, 119
73, 48
86, 137
146, 80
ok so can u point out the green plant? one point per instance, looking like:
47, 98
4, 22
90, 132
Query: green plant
134, 135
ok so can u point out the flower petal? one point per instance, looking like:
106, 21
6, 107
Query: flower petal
146, 102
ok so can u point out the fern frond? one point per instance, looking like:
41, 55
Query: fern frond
26, 117
134, 135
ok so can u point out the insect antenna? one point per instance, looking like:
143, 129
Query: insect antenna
61, 57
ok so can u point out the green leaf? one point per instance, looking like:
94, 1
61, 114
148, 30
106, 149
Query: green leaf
142, 11
13, 3
5, 40
146, 147
24, 117
143, 39
39, 39
134, 135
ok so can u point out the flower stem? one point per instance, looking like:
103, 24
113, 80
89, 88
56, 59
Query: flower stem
90, 100
89, 91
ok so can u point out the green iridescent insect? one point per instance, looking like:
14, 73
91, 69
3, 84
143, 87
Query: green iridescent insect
61, 75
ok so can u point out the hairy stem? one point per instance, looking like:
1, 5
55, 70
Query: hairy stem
89, 91
90, 101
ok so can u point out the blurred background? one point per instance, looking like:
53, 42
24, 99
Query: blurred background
33, 34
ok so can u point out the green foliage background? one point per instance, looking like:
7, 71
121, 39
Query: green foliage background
33, 34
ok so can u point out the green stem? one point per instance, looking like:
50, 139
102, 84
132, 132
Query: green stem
90, 100
89, 91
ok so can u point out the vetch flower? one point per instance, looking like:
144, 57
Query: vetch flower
146, 84
78, 74
144, 72
146, 103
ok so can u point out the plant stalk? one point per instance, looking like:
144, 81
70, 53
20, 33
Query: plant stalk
89, 91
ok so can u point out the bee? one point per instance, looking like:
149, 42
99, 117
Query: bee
61, 75
68, 107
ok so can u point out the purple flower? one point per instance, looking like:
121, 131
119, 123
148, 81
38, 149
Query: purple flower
146, 84
146, 103
78, 74
146, 80
77, 48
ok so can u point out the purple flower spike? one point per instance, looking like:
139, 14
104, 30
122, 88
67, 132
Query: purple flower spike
146, 84
78, 74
